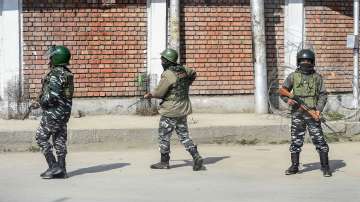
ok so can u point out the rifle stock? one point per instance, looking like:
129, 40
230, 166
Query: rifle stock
285, 92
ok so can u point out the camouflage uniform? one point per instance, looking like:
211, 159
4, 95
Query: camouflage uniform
56, 102
300, 120
174, 89
308, 87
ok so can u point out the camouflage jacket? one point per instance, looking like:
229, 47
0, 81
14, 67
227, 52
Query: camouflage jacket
320, 92
173, 88
56, 94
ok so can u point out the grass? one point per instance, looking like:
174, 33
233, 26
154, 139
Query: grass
33, 148
334, 116
247, 142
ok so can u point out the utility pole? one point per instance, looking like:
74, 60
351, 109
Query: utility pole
356, 55
258, 32
174, 25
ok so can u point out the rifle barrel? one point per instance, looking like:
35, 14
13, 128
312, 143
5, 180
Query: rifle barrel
28, 111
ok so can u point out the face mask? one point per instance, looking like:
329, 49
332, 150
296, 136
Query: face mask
165, 64
306, 67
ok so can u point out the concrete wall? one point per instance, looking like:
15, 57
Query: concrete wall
201, 104
10, 58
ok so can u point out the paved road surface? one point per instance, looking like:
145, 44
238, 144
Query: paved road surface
234, 173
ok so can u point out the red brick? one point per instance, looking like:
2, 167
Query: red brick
91, 36
327, 29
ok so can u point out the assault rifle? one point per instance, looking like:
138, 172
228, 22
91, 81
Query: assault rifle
303, 106
138, 101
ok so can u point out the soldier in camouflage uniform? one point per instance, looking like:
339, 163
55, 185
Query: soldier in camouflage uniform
56, 101
309, 87
173, 89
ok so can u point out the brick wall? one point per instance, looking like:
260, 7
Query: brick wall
328, 22
217, 42
107, 41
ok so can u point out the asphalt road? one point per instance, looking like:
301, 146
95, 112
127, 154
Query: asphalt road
233, 173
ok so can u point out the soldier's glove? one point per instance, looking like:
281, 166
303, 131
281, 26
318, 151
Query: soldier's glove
297, 99
291, 102
148, 96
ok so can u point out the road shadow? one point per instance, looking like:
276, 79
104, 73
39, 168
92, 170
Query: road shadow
97, 169
335, 165
62, 199
207, 161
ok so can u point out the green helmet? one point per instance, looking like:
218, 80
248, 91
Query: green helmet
59, 55
305, 54
170, 54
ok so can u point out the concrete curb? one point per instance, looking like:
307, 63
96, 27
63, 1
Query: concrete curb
245, 134
23, 140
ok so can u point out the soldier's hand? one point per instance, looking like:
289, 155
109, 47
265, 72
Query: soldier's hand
315, 114
148, 96
291, 102
34, 104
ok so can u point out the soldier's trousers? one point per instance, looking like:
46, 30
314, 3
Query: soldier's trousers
167, 126
58, 132
299, 122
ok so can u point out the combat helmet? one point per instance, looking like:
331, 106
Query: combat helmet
305, 54
58, 55
170, 54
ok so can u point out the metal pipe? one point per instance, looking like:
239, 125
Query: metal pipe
174, 26
356, 55
258, 32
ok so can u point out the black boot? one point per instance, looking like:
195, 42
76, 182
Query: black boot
294, 168
164, 162
324, 161
62, 165
198, 160
53, 167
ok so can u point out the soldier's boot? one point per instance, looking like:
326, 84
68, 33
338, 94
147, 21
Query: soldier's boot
53, 169
324, 161
294, 168
164, 162
62, 165
198, 160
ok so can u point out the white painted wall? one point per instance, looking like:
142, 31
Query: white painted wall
294, 32
10, 57
157, 34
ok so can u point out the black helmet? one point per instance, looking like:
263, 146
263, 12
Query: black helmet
305, 54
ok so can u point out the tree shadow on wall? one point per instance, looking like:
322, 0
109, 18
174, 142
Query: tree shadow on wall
274, 50
344, 7
38, 5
